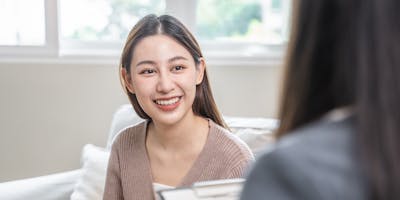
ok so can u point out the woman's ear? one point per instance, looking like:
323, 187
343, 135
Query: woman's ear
127, 80
200, 71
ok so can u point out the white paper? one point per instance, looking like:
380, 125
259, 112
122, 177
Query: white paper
228, 189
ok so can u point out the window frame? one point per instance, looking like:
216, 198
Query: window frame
222, 53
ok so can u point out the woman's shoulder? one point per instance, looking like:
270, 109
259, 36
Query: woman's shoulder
131, 134
321, 135
320, 148
318, 151
228, 143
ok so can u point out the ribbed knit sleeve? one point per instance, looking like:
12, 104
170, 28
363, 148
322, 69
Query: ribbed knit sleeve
128, 174
240, 170
236, 153
224, 156
113, 187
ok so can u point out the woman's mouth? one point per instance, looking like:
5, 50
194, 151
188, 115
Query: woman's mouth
168, 104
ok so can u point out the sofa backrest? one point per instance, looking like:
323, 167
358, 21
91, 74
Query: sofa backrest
256, 132
123, 117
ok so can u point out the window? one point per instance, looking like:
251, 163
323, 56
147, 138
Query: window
243, 30
241, 21
226, 29
100, 26
103, 20
27, 28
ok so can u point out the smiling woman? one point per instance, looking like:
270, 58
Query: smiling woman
184, 138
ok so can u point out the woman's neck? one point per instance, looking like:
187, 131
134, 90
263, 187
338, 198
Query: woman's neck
191, 132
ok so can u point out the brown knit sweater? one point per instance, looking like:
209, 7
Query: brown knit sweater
129, 174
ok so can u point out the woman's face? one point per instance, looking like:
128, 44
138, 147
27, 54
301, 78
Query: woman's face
164, 77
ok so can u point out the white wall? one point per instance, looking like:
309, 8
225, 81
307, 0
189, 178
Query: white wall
49, 110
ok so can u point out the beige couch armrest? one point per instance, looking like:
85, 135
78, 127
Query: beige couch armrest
50, 187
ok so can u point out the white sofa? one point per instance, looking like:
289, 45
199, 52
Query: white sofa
88, 182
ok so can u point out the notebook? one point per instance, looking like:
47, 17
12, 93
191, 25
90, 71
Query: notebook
227, 189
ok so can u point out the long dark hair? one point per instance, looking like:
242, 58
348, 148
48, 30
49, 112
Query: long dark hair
204, 104
347, 52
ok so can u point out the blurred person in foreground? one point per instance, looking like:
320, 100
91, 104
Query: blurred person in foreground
339, 136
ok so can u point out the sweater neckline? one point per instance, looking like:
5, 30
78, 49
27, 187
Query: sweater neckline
196, 169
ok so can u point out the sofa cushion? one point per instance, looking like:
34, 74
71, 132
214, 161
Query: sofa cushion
90, 185
123, 117
49, 187
257, 133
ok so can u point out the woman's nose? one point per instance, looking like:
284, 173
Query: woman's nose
165, 83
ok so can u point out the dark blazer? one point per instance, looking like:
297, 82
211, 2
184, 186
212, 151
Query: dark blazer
317, 161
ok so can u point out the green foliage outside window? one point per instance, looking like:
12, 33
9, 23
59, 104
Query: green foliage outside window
228, 18
123, 15
240, 20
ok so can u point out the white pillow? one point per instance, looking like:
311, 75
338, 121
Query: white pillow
91, 184
124, 116
257, 133
257, 139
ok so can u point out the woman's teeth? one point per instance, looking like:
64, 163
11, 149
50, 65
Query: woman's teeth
167, 102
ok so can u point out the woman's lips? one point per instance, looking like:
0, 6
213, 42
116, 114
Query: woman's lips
168, 104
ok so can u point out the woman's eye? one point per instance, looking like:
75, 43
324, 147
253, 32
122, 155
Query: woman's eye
147, 71
177, 68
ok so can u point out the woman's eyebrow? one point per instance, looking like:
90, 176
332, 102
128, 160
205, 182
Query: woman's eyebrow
176, 58
145, 62
150, 62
